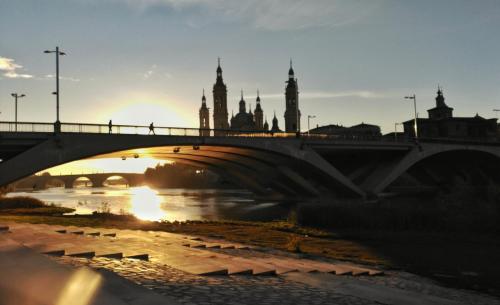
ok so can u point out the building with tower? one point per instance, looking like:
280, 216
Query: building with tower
220, 102
292, 112
204, 117
243, 120
442, 124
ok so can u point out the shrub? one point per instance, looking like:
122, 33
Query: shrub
20, 202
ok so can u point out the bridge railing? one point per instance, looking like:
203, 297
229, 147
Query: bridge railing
26, 127
30, 127
133, 129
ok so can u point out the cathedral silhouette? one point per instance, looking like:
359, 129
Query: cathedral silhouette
248, 121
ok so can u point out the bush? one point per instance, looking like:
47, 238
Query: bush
20, 202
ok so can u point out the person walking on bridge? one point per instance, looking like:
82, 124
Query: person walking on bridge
110, 127
151, 129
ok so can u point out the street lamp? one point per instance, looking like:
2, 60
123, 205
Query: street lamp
57, 125
309, 117
396, 131
16, 97
414, 98
496, 112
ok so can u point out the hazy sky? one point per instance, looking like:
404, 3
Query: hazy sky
137, 61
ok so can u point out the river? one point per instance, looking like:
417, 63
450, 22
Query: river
164, 204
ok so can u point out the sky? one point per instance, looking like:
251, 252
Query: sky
138, 61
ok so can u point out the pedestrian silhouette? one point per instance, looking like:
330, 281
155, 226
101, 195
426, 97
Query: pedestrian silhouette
110, 125
151, 128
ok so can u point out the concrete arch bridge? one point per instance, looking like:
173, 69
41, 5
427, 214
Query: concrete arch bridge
280, 165
96, 179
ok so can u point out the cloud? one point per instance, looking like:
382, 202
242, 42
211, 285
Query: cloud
153, 70
272, 15
9, 67
364, 94
69, 78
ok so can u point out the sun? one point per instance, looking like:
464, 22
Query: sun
143, 113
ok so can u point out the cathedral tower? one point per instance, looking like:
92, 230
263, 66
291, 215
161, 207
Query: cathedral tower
204, 117
220, 102
292, 112
258, 114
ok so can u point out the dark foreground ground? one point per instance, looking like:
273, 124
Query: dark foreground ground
456, 260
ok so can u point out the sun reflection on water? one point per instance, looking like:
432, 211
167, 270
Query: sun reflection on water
145, 204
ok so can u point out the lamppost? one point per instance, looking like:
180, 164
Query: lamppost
414, 98
57, 125
309, 117
496, 112
396, 131
16, 97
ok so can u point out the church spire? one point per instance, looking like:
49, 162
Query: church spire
291, 73
242, 103
203, 98
440, 98
219, 69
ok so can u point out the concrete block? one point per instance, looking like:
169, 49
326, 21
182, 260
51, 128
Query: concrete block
240, 271
88, 254
214, 272
144, 257
264, 272
116, 255
55, 252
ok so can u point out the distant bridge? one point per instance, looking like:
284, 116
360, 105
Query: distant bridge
97, 179
267, 164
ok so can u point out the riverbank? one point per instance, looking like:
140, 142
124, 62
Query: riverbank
30, 206
457, 260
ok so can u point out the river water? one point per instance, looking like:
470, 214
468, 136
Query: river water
164, 204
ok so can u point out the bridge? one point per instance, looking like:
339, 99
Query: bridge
279, 164
39, 182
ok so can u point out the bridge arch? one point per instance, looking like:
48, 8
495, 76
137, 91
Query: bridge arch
426, 153
88, 182
269, 161
107, 179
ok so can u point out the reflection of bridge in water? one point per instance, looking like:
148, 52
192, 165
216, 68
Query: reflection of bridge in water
267, 164
96, 179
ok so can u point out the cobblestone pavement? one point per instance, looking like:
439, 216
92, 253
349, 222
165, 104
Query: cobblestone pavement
191, 289
228, 290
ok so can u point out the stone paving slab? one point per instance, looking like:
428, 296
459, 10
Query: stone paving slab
27, 277
200, 257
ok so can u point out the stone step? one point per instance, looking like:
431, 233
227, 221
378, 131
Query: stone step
143, 257
84, 254
4, 228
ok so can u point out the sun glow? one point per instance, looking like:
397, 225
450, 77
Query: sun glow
80, 288
141, 109
145, 204
105, 165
